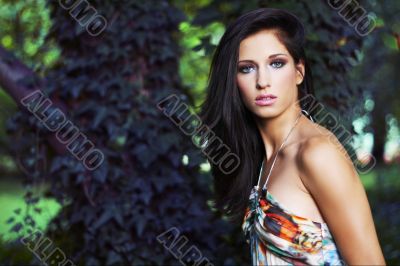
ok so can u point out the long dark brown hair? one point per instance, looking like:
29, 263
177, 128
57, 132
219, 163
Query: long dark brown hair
225, 113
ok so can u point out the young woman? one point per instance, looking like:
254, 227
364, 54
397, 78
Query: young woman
312, 208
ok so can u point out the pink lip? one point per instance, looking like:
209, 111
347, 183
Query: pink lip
266, 99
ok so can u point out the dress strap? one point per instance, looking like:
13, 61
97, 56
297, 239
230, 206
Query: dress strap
276, 155
261, 171
260, 174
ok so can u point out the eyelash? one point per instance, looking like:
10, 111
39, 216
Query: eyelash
282, 63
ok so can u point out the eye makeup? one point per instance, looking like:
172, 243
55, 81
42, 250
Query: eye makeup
247, 68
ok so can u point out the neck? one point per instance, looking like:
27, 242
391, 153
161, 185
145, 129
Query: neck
274, 130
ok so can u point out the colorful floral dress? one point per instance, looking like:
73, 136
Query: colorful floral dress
279, 237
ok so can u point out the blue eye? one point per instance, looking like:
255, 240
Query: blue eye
277, 64
245, 69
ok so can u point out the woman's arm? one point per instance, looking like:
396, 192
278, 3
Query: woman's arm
332, 180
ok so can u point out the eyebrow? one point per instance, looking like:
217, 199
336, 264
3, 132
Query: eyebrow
271, 56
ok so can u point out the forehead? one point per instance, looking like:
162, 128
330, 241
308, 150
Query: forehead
262, 43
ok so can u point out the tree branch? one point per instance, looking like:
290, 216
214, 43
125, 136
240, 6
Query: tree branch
12, 74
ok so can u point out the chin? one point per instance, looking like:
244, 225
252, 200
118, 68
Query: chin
265, 113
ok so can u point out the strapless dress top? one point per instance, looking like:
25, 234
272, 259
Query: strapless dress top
279, 237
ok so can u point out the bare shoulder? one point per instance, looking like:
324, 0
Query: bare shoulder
330, 177
323, 155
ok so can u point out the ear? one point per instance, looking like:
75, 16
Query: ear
300, 72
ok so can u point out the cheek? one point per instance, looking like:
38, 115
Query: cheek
286, 78
243, 84
246, 93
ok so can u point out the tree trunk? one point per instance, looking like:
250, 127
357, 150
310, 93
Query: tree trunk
378, 125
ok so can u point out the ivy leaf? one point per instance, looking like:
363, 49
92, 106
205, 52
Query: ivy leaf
101, 113
104, 218
140, 225
113, 257
16, 228
144, 154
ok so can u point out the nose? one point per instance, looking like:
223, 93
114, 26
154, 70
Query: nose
262, 79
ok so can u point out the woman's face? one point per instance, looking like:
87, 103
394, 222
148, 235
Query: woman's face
265, 61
